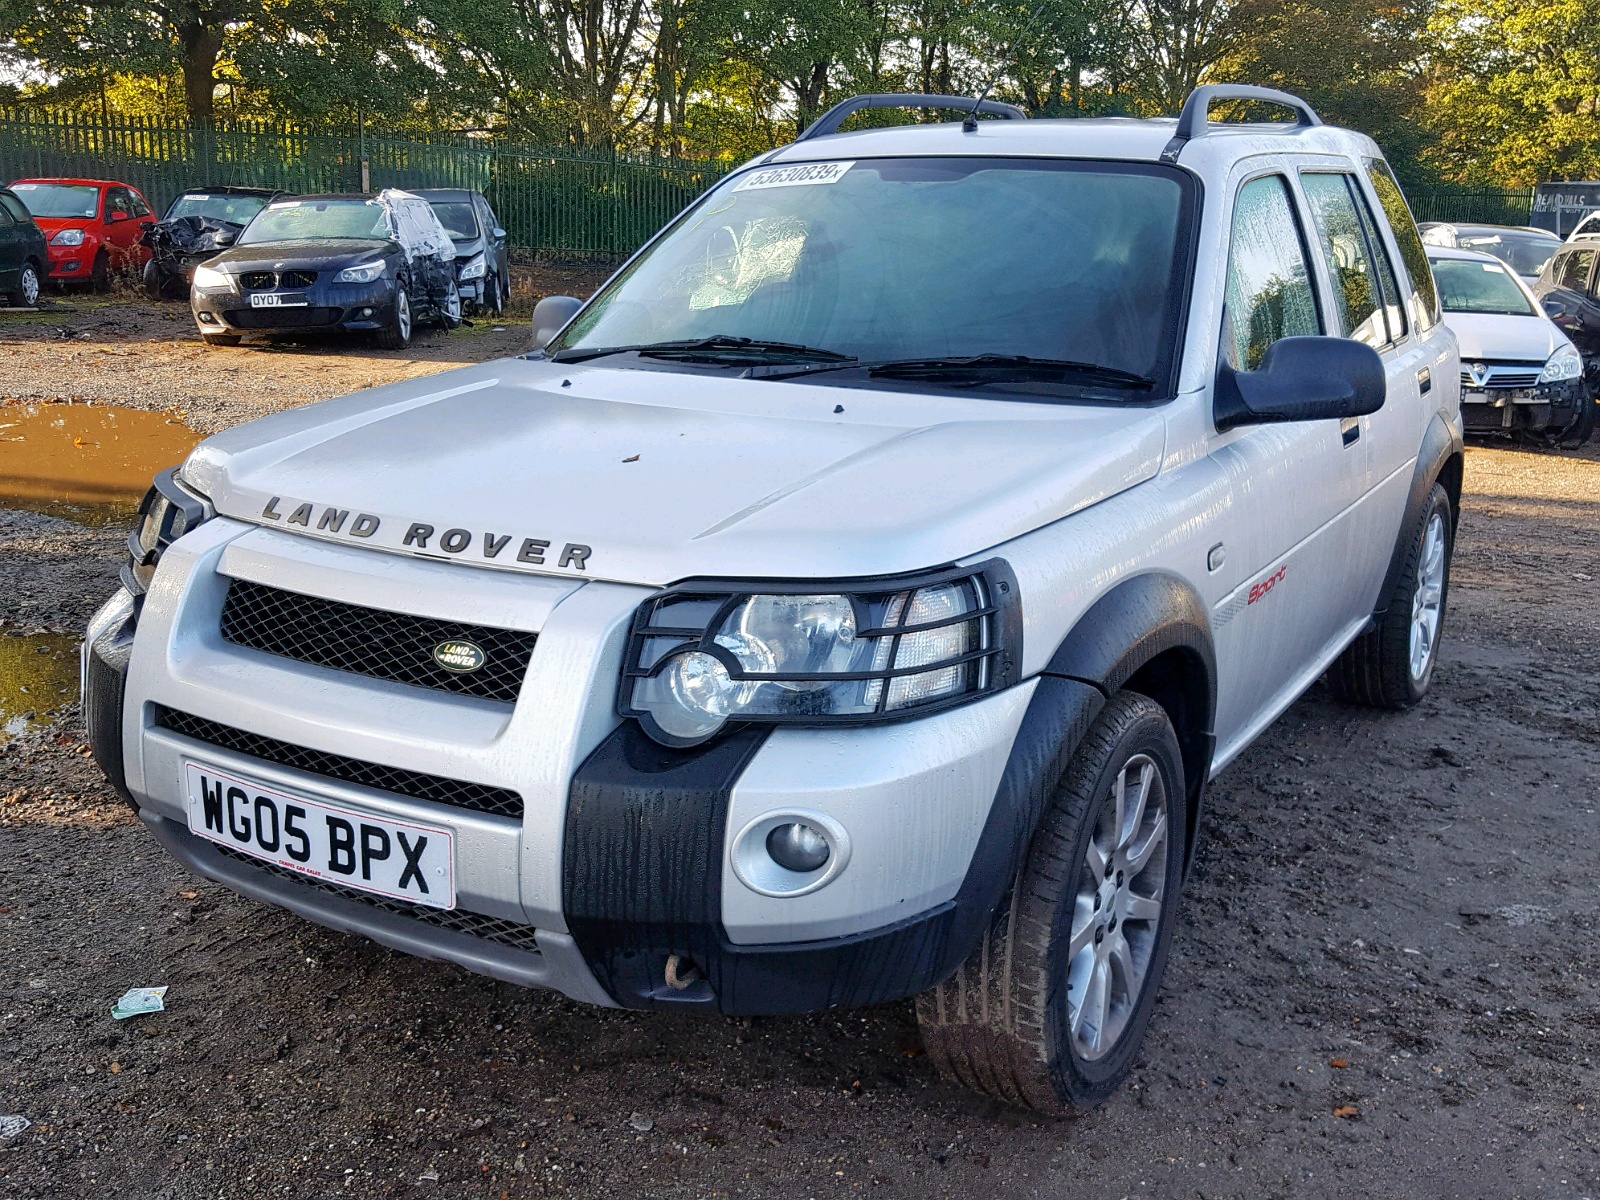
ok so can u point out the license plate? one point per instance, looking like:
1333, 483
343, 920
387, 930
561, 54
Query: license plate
277, 300
324, 841
1469, 396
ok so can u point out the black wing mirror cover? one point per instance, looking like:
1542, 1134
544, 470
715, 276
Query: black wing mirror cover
1302, 379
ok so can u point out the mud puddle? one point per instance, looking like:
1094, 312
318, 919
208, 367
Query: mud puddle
87, 463
38, 674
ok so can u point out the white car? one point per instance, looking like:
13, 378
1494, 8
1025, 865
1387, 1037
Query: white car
1519, 372
850, 602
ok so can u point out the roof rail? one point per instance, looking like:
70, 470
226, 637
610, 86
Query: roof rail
1194, 120
830, 121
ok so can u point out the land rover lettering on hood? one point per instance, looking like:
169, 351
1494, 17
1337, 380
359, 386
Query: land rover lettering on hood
850, 602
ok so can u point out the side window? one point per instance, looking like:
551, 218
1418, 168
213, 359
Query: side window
1357, 293
117, 202
15, 207
140, 208
1424, 295
1269, 292
6, 219
1393, 308
1574, 271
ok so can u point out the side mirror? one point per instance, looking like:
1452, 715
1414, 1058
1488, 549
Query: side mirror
1302, 379
224, 237
550, 317
113, 218
499, 234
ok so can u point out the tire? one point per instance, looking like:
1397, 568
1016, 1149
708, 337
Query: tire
100, 273
1581, 430
494, 297
26, 293
1392, 665
220, 339
1012, 1022
396, 335
450, 310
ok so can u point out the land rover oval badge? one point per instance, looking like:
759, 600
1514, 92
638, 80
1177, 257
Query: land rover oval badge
459, 656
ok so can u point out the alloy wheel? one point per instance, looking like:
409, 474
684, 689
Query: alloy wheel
30, 286
1117, 909
1427, 602
402, 314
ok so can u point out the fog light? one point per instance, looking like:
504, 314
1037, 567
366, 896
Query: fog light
798, 847
207, 319
71, 265
363, 312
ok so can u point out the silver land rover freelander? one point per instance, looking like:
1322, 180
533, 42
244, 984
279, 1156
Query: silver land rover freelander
850, 602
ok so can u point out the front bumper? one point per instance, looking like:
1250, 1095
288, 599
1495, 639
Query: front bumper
1549, 407
351, 307
622, 856
71, 262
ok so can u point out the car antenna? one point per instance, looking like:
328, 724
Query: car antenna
969, 123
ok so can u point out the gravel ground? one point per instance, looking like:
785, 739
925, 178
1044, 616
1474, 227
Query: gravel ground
1383, 983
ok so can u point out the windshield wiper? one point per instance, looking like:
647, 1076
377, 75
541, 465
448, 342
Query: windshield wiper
716, 348
974, 370
989, 368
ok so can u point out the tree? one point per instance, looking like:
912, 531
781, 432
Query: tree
1514, 95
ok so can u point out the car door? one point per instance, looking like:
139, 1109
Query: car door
1286, 547
1570, 299
495, 235
143, 219
12, 249
1369, 307
121, 228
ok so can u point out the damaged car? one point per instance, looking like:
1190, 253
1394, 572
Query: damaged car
483, 270
1519, 373
200, 223
377, 264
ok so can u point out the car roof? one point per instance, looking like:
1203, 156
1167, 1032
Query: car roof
1472, 229
444, 193
100, 183
228, 189
1443, 252
319, 196
1126, 139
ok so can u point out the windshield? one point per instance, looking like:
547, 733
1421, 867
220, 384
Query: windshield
888, 260
219, 207
457, 218
1524, 253
1466, 286
59, 199
292, 220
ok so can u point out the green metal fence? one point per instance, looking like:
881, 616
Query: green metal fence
1478, 206
555, 201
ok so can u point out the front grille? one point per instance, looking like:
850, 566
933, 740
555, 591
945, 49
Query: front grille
457, 793
368, 641
297, 279
1503, 375
257, 281
490, 929
282, 318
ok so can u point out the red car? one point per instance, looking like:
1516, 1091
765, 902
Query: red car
91, 226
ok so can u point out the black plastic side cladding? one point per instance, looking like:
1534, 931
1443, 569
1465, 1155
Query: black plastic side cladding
105, 681
643, 860
641, 874
1125, 639
1440, 443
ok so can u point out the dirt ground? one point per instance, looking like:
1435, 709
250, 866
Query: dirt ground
1383, 984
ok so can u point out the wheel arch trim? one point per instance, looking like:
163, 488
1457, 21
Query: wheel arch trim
1441, 459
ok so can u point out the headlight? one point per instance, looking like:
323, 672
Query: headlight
67, 237
210, 277
702, 655
1564, 364
476, 268
168, 511
363, 274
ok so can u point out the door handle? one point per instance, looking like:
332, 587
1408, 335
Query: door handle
1350, 430
1425, 380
